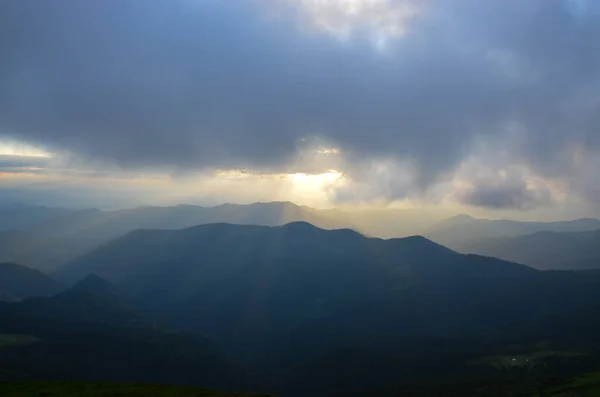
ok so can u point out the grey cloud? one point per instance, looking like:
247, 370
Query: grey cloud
506, 195
7, 161
218, 84
62, 197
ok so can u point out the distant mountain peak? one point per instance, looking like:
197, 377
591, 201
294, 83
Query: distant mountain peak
303, 226
187, 206
424, 244
278, 203
461, 217
300, 225
259, 204
96, 285
456, 220
418, 239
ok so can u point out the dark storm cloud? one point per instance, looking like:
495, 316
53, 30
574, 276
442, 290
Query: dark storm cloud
509, 194
219, 84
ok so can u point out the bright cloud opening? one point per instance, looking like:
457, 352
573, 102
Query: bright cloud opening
381, 19
22, 149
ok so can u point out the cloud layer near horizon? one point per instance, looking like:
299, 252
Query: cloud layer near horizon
496, 102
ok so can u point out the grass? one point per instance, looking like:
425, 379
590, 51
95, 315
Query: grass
583, 386
88, 389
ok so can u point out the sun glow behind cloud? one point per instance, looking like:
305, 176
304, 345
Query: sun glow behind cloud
302, 188
318, 176
310, 178
316, 187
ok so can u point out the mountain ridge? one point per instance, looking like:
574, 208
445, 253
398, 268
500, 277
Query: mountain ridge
544, 249
64, 235
19, 282
285, 297
275, 268
453, 235
270, 234
61, 333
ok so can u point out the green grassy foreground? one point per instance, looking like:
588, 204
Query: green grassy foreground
86, 389
584, 386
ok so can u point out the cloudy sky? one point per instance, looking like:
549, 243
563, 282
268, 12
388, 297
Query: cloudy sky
485, 106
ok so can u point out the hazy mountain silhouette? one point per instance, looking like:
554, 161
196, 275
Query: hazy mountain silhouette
288, 297
142, 251
457, 230
19, 282
89, 332
454, 221
53, 240
47, 238
543, 250
25, 217
306, 309
241, 283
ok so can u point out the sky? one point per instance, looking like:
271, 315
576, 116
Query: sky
490, 107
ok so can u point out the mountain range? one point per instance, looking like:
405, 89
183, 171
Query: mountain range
290, 299
297, 310
457, 230
543, 250
268, 304
46, 238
